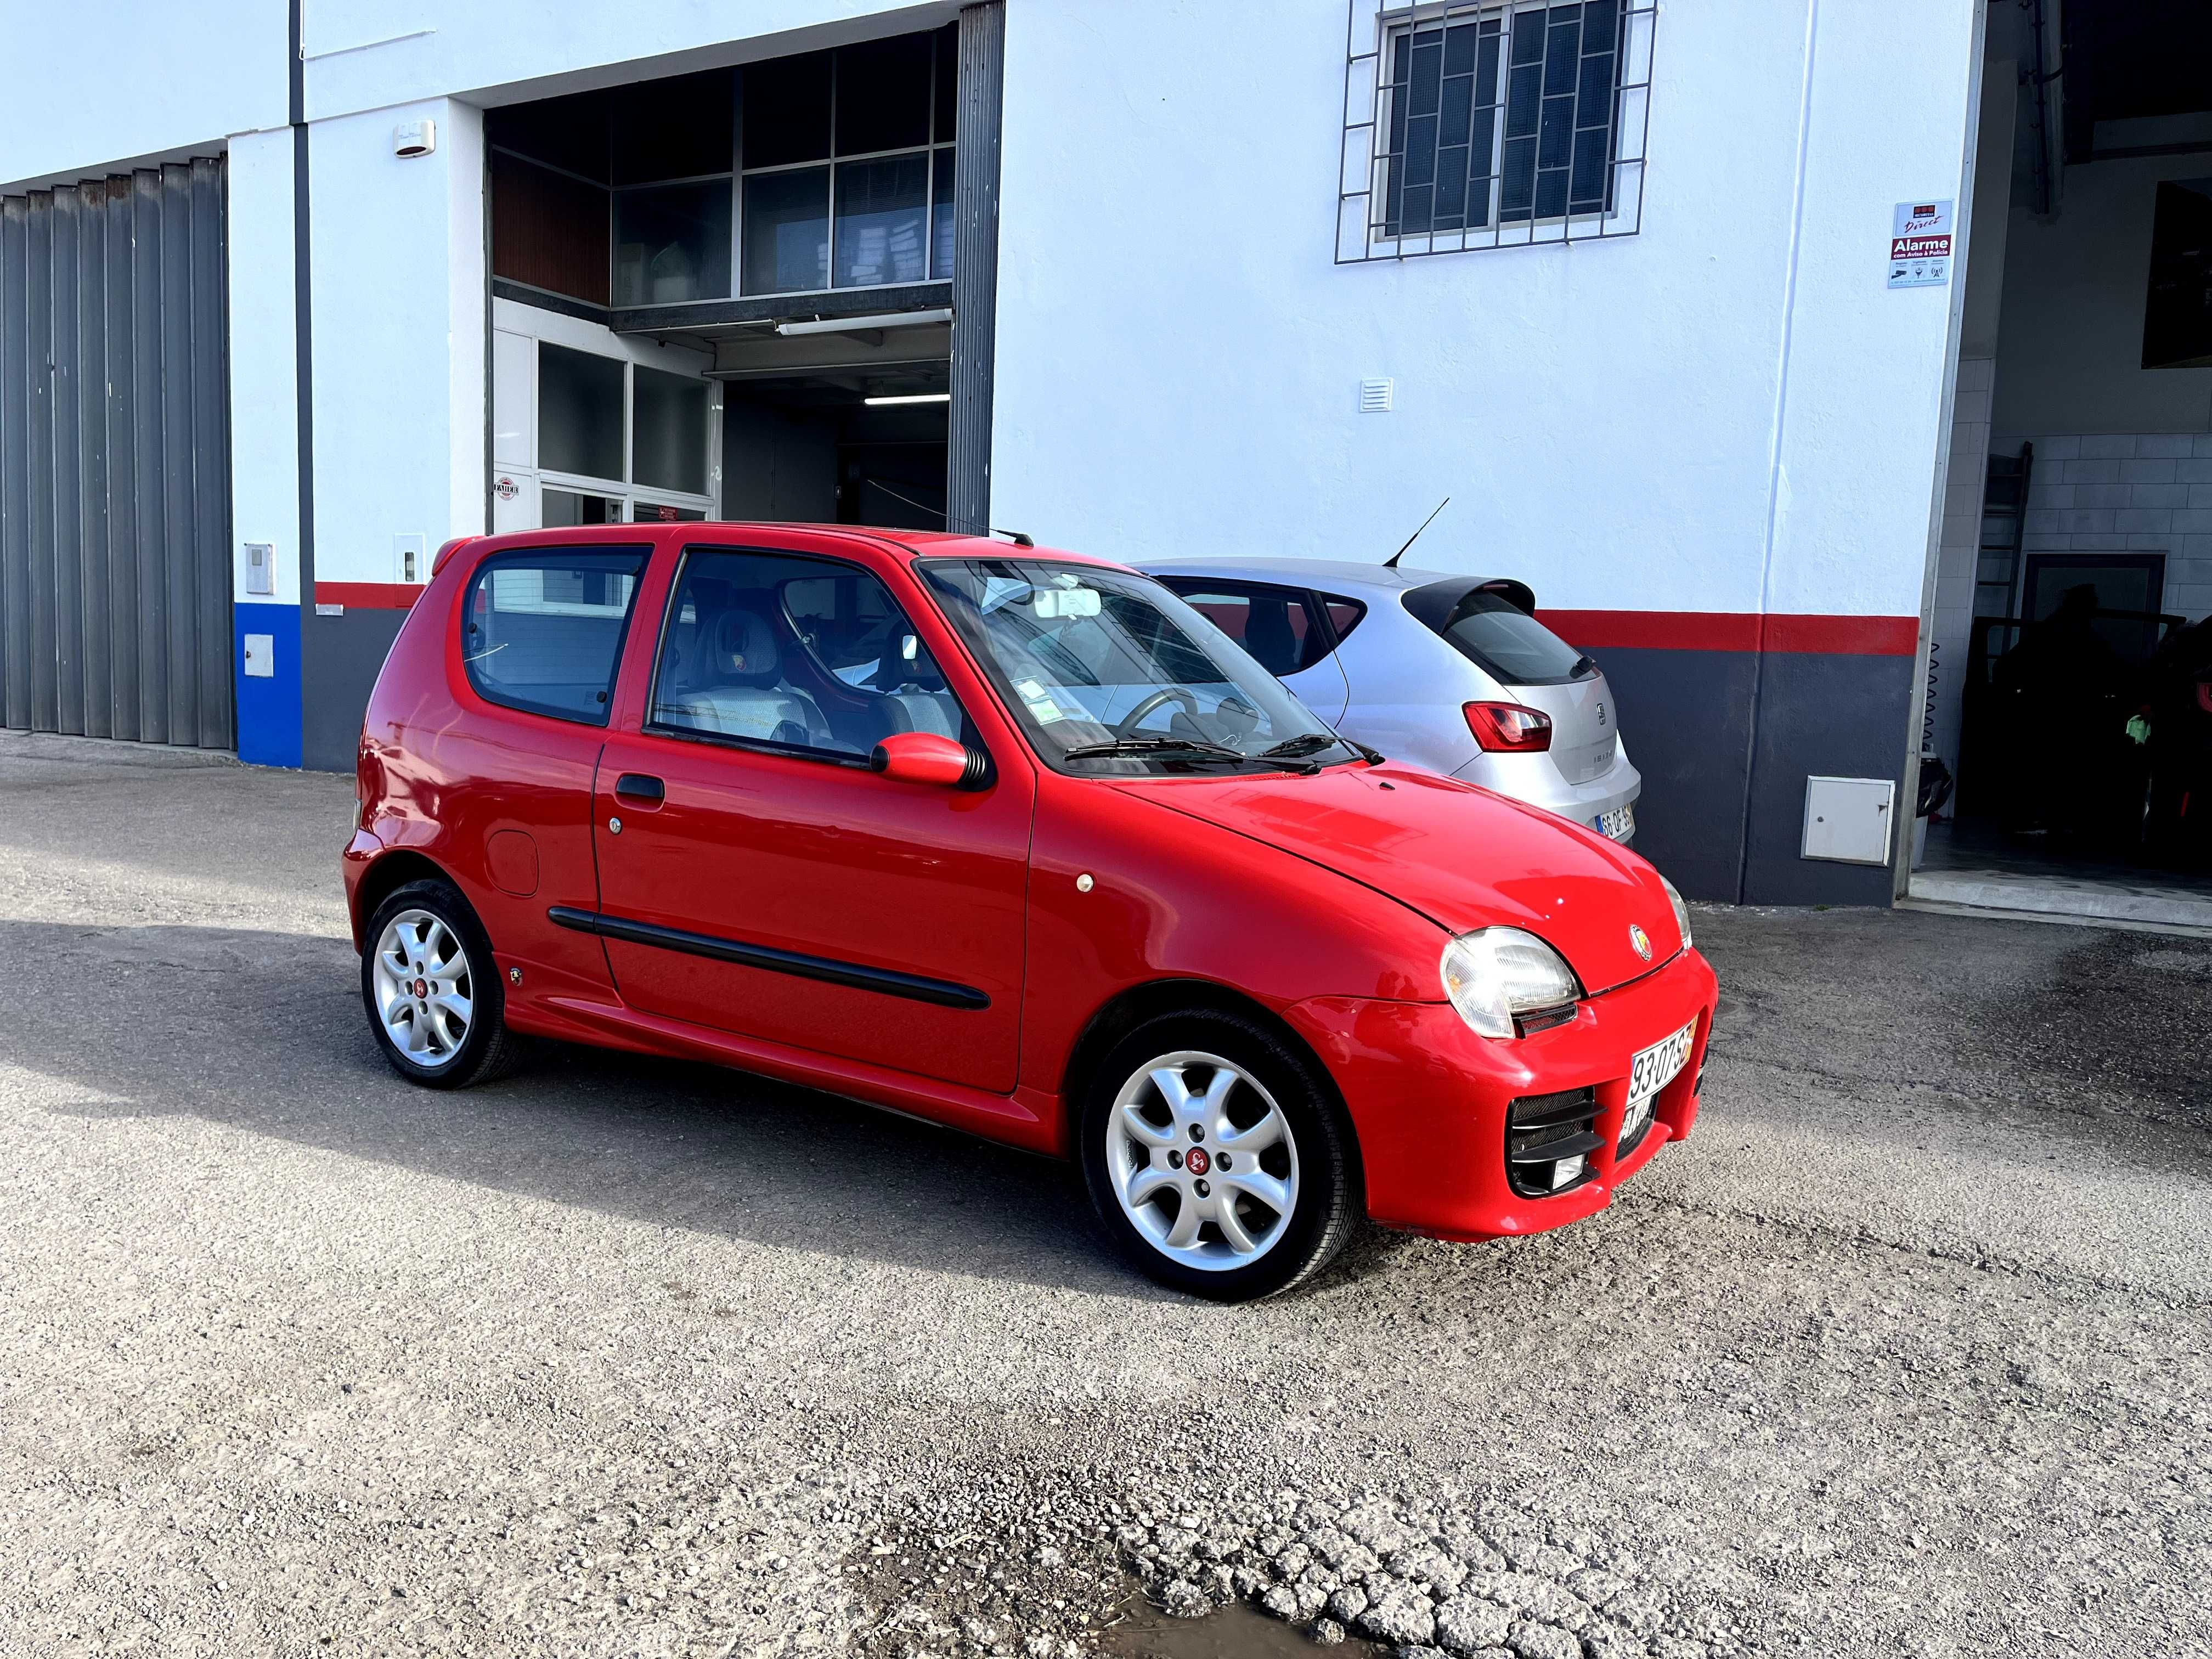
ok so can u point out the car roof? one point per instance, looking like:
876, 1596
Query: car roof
1337, 576
736, 532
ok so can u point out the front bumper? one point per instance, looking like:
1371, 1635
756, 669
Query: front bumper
1428, 1097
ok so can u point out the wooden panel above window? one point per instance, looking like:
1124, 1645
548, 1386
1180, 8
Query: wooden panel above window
549, 229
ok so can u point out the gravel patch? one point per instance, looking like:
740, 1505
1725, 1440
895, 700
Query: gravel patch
1409, 1572
1906, 1353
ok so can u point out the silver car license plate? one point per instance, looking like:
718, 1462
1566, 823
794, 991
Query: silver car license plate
1652, 1070
1618, 825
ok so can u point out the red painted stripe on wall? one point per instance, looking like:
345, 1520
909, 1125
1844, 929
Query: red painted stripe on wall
369, 596
1735, 630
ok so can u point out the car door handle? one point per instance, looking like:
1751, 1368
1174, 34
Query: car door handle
640, 789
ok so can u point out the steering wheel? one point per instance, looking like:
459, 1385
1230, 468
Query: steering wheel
1128, 724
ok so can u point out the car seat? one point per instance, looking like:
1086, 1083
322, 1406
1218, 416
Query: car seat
734, 685
914, 692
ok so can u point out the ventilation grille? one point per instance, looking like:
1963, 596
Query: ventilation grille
1548, 1142
1376, 396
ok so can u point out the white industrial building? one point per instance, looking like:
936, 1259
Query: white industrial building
1713, 317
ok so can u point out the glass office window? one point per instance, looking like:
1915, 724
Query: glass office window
579, 412
673, 244
882, 224
787, 231
668, 438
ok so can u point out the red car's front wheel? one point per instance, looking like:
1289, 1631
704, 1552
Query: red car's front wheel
1216, 1158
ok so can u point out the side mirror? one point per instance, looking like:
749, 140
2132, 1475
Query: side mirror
926, 757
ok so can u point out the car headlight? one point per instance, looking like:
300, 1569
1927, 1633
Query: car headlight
1495, 974
1681, 910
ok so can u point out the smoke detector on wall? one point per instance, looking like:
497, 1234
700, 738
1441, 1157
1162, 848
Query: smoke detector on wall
415, 137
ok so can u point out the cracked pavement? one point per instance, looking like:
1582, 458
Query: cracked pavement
1906, 1351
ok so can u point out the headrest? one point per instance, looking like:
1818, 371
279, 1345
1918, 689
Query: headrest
745, 649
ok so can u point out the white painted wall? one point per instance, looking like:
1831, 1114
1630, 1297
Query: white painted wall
1179, 358
1866, 406
2071, 356
366, 54
399, 337
1726, 410
264, 451
89, 88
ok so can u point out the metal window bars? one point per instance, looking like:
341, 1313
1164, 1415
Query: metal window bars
1491, 123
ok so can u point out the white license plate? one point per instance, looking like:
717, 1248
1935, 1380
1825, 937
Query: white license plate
1652, 1070
1618, 825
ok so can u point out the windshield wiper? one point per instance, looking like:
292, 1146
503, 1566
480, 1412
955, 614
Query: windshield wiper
1306, 743
1312, 742
1184, 749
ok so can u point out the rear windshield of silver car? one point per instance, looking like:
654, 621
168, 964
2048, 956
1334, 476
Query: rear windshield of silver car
1488, 623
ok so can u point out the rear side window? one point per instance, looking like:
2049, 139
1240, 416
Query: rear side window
1497, 635
1344, 614
543, 631
1275, 625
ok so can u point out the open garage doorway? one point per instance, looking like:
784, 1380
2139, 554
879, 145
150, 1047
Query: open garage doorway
2069, 680
844, 426
776, 250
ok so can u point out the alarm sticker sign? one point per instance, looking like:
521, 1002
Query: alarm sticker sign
1920, 245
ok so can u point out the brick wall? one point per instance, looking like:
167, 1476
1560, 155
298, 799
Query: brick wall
2126, 492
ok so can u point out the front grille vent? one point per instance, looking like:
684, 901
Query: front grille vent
1548, 1142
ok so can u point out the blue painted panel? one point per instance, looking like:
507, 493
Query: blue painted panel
268, 709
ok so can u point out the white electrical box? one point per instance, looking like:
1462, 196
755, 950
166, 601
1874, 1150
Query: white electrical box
1848, 819
410, 559
261, 656
260, 567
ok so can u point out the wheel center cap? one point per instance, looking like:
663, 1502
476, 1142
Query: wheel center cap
1196, 1161
422, 987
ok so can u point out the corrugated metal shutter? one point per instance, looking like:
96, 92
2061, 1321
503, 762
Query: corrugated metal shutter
115, 596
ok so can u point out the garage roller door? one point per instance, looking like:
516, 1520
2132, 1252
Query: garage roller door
115, 459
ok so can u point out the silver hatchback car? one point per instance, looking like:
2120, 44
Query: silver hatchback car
1453, 672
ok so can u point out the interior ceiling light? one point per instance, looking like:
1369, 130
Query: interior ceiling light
911, 398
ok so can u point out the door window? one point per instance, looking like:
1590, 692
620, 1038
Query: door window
1275, 625
796, 653
543, 631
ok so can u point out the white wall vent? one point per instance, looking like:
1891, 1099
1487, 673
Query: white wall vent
1376, 396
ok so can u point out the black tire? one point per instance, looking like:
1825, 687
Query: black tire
487, 1048
1327, 1201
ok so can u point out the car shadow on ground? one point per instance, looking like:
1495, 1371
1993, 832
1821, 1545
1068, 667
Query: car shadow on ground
265, 1032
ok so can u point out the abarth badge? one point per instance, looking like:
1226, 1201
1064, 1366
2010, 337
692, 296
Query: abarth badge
1641, 940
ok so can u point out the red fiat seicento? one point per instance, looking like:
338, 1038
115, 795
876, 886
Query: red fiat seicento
1018, 841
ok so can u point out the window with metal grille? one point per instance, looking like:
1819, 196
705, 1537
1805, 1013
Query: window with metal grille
1496, 123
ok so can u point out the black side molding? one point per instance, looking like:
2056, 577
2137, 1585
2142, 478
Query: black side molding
913, 987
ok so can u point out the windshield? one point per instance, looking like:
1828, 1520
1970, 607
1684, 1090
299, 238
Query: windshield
1107, 672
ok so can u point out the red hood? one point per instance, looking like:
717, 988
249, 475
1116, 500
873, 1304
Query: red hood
1458, 854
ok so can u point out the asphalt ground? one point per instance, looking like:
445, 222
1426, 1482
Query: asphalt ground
1906, 1351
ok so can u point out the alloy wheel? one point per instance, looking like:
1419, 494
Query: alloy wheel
1203, 1161
424, 992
